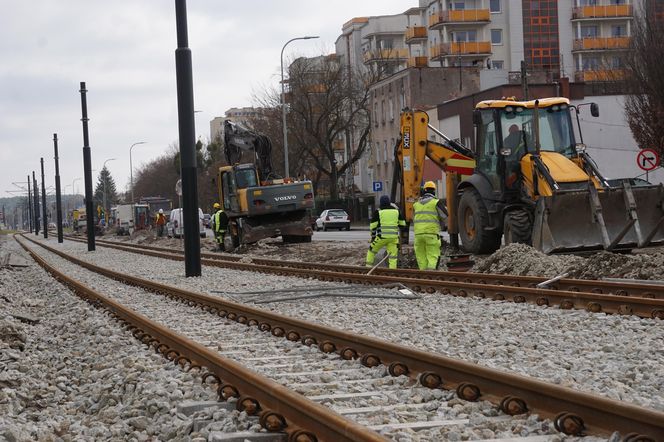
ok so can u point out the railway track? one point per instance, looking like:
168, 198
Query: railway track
573, 412
642, 303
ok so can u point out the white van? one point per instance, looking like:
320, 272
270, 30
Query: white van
175, 226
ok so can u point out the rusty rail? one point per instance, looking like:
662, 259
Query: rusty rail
279, 408
569, 284
644, 307
573, 412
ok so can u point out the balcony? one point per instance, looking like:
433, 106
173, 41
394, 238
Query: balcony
416, 33
600, 43
600, 75
395, 54
418, 62
604, 11
459, 17
464, 48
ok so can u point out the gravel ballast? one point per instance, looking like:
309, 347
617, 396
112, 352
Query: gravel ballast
77, 375
620, 357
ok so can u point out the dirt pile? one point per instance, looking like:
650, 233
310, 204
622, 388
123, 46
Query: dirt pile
520, 259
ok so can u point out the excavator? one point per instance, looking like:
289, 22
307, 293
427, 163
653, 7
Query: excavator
527, 181
258, 203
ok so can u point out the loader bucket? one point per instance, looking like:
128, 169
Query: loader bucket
622, 217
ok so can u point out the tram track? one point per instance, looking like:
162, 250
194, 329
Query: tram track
648, 304
514, 394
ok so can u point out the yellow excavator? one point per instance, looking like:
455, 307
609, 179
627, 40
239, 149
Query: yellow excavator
528, 181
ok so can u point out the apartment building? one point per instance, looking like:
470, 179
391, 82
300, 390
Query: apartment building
244, 115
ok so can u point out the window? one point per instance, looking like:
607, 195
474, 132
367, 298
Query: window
391, 109
618, 31
457, 5
589, 32
494, 6
498, 64
382, 111
385, 151
464, 36
378, 151
496, 36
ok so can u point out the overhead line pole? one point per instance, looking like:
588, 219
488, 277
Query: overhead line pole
29, 204
187, 133
35, 195
87, 171
44, 216
58, 196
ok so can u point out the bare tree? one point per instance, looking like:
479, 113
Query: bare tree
645, 107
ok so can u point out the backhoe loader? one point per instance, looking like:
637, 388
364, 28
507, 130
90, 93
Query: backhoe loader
528, 181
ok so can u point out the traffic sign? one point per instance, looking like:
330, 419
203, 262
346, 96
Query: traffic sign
647, 159
377, 186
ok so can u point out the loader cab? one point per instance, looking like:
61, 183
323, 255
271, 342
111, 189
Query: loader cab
505, 132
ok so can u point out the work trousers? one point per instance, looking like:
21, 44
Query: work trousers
219, 236
391, 245
160, 230
427, 250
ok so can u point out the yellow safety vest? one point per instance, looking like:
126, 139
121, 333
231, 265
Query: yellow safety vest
215, 218
426, 219
388, 224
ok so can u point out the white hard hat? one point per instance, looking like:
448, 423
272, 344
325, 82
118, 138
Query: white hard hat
161, 210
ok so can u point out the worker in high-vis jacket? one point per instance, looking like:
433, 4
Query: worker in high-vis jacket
385, 225
219, 224
429, 220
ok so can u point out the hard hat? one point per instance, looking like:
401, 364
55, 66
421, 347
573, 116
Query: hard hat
430, 185
216, 206
161, 210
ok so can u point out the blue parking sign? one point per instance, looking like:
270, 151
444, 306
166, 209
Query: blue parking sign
378, 186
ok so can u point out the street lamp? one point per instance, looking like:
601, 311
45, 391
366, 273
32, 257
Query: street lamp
105, 179
131, 170
73, 189
283, 102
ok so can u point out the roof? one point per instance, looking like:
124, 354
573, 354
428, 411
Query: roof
543, 102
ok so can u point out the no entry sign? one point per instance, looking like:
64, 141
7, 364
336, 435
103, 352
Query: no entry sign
647, 159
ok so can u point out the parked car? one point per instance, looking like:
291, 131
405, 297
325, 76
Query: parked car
175, 226
207, 218
333, 219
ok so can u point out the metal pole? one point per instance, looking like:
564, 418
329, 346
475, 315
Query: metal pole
58, 196
43, 189
29, 205
35, 195
131, 170
283, 103
187, 135
87, 171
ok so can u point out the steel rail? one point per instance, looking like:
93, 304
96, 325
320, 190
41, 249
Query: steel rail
279, 408
567, 284
567, 300
573, 412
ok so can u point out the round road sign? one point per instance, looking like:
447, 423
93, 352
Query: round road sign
647, 159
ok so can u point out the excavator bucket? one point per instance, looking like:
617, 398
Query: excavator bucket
623, 217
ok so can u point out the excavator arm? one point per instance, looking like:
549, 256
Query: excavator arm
239, 139
411, 152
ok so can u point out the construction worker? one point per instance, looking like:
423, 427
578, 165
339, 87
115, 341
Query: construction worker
384, 226
160, 221
429, 219
219, 224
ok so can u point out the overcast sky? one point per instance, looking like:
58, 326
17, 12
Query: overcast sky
124, 51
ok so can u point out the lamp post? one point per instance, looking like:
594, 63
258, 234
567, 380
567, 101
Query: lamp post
105, 179
283, 102
131, 170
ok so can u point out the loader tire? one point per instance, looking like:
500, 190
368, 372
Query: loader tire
473, 218
517, 227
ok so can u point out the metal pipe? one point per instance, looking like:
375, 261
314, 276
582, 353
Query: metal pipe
58, 196
187, 136
87, 171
